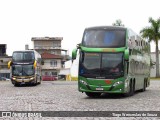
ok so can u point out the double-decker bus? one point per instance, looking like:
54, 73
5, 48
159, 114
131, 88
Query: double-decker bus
112, 60
25, 67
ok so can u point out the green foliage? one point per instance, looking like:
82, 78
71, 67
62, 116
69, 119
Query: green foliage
152, 33
118, 23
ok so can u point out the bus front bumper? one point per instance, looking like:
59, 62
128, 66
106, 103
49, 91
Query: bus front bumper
101, 91
113, 86
23, 80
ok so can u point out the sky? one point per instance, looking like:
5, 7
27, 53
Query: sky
20, 20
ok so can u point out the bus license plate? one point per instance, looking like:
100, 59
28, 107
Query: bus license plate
22, 83
99, 88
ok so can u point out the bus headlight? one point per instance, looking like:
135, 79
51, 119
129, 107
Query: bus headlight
83, 82
13, 78
31, 78
117, 83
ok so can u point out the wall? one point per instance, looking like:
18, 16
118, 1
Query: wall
47, 64
153, 69
4, 71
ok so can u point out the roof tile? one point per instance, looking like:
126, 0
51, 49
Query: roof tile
50, 56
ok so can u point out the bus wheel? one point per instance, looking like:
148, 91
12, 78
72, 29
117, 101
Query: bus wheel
35, 82
131, 89
16, 85
93, 94
144, 86
40, 80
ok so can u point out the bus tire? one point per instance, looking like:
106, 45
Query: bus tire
144, 86
16, 85
35, 82
40, 80
93, 94
131, 89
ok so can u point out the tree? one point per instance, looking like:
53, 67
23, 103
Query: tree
152, 33
118, 23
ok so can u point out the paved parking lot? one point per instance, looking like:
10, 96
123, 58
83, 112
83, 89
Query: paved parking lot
64, 96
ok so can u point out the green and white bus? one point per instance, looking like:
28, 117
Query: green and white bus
112, 60
25, 67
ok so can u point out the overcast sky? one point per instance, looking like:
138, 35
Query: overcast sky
20, 20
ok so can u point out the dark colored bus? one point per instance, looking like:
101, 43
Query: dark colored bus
25, 67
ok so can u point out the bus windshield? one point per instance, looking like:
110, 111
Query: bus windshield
104, 38
23, 56
23, 70
101, 65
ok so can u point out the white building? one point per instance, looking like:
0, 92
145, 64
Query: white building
52, 64
153, 69
51, 52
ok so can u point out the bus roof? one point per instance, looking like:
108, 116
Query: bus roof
37, 55
24, 51
107, 27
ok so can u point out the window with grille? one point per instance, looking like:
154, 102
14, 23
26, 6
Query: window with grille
53, 63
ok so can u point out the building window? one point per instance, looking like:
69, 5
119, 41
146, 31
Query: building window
56, 45
53, 63
54, 52
46, 73
54, 73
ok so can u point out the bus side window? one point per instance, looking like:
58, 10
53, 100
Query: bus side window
136, 42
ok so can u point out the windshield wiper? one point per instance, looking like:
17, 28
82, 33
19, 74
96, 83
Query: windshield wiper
116, 73
25, 73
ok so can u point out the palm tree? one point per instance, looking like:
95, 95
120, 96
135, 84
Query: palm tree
118, 23
152, 33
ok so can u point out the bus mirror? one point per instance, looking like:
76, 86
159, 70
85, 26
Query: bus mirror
9, 64
78, 45
35, 64
126, 55
74, 54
